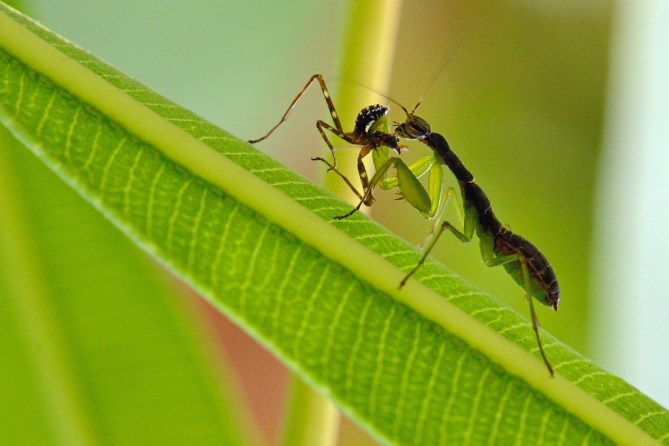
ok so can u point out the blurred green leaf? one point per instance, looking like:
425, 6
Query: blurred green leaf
417, 366
94, 346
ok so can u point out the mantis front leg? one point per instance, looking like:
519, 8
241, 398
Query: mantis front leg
407, 182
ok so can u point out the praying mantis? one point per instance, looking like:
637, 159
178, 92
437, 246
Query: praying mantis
499, 246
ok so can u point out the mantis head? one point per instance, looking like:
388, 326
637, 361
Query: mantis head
414, 127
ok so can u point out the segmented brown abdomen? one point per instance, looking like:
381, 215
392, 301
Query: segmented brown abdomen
542, 277
543, 281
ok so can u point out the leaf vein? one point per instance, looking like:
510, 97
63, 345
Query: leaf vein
196, 229
150, 204
110, 162
131, 178
404, 382
70, 132
172, 221
378, 364
46, 113
423, 413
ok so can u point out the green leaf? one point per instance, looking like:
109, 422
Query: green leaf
94, 348
434, 363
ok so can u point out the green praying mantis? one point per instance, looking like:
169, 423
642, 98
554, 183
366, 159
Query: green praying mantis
499, 245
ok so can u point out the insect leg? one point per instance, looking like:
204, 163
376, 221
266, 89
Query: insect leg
442, 200
535, 319
362, 173
465, 236
380, 173
343, 177
328, 99
320, 125
428, 248
496, 261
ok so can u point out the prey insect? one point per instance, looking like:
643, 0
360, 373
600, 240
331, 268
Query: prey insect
499, 246
366, 133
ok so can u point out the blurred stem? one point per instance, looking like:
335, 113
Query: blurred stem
366, 59
311, 418
366, 65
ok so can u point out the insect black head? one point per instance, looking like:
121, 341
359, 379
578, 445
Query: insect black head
384, 139
413, 128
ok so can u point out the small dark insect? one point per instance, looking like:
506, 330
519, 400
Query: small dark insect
366, 134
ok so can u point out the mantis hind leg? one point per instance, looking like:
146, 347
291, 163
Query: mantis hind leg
535, 319
496, 261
